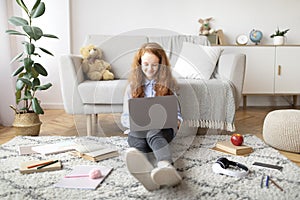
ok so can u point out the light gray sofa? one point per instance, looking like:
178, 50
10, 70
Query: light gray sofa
82, 96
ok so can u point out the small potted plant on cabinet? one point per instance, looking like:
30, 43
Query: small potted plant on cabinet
279, 36
28, 82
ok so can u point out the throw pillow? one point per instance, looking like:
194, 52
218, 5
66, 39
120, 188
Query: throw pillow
196, 61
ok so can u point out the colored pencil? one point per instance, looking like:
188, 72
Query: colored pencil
272, 181
40, 167
39, 164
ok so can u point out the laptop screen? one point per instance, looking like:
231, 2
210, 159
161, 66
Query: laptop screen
153, 113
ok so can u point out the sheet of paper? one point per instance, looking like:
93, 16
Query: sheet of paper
84, 182
55, 148
26, 150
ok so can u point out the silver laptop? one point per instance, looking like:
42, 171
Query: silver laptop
153, 113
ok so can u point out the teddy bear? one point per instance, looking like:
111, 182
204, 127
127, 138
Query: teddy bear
93, 65
205, 28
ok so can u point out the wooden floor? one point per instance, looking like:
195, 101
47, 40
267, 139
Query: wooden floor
57, 122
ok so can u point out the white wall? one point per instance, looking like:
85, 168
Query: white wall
54, 21
233, 16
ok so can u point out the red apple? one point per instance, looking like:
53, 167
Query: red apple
237, 139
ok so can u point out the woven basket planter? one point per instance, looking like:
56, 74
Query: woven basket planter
27, 124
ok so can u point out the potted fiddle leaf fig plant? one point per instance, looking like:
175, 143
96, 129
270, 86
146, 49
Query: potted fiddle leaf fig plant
28, 73
279, 36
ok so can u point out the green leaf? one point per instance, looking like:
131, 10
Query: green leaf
40, 69
36, 54
19, 84
22, 4
29, 47
34, 32
36, 106
50, 36
28, 64
28, 94
38, 11
16, 57
18, 21
18, 71
36, 82
27, 75
44, 87
46, 51
21, 75
13, 32
25, 81
36, 4
34, 73
18, 96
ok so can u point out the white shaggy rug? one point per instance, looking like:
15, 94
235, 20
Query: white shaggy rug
194, 165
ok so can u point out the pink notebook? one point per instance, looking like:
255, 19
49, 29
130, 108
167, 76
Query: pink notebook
84, 182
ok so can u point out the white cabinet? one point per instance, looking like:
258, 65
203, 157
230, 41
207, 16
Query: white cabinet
270, 70
287, 70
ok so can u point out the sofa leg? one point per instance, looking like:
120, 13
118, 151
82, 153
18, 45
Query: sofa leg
89, 125
94, 124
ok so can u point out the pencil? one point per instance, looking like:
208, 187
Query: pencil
272, 181
77, 176
45, 165
267, 181
262, 181
36, 165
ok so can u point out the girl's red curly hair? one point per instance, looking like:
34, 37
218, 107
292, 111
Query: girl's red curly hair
165, 83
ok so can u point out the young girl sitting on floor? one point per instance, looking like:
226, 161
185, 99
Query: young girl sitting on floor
150, 76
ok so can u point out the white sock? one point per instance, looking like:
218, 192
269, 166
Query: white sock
163, 163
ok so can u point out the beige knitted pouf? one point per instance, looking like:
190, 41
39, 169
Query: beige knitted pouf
281, 130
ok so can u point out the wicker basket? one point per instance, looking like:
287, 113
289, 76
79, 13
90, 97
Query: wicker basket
27, 124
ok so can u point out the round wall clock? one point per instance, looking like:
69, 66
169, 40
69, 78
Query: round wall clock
242, 39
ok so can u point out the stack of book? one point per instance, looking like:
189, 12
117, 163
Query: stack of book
98, 154
84, 148
39, 166
228, 147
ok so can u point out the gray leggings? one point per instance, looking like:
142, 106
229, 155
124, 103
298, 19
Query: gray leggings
156, 141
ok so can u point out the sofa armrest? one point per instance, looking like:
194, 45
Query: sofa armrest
71, 75
232, 67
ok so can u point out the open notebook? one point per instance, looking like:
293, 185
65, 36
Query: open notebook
84, 182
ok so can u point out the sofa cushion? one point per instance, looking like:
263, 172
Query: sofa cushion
102, 92
172, 44
196, 61
118, 51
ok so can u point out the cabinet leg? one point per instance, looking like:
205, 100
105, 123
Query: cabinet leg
244, 102
294, 100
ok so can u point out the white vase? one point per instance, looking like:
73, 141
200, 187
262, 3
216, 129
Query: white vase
279, 40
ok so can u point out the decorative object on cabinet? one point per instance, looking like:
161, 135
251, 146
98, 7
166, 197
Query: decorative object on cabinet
217, 38
242, 39
279, 36
205, 28
256, 36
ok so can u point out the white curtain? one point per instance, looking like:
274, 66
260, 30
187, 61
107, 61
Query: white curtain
6, 80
